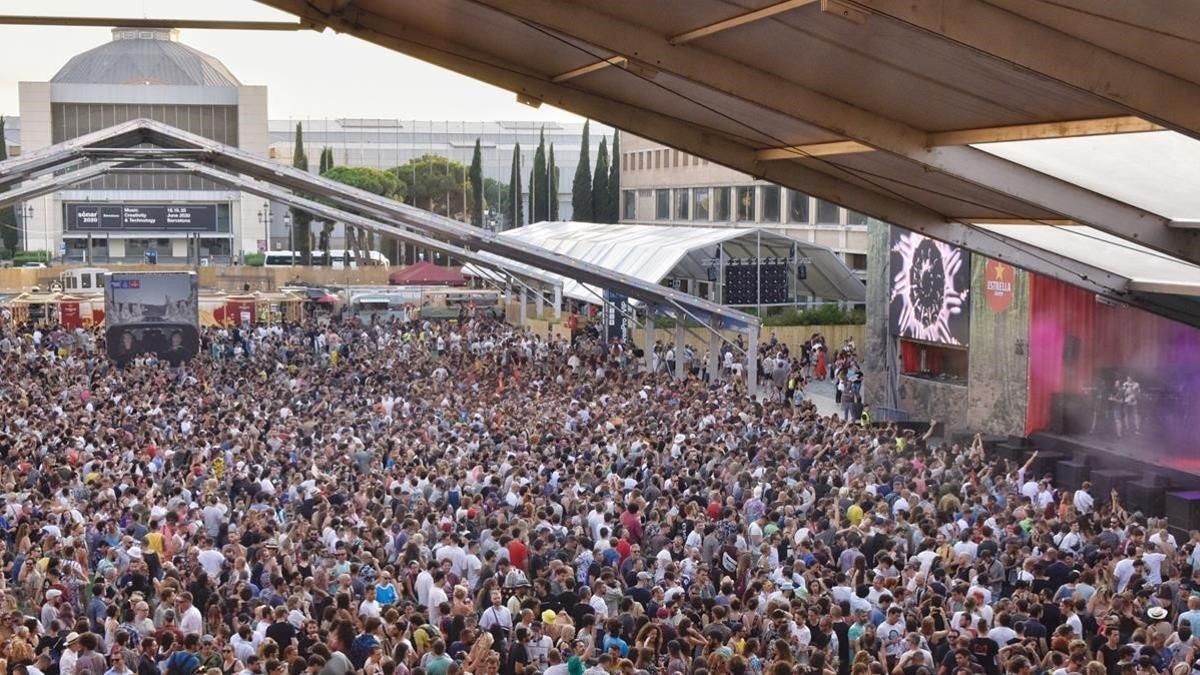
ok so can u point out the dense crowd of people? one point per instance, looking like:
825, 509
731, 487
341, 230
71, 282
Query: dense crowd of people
468, 497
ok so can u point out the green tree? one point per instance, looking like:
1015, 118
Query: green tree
581, 188
538, 184
301, 219
514, 211
600, 185
614, 181
326, 160
476, 178
552, 171
434, 183
497, 198
9, 235
383, 183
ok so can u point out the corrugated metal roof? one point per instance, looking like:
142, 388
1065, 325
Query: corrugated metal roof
145, 56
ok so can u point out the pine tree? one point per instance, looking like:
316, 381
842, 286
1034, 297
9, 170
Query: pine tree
301, 220
538, 184
552, 171
614, 181
533, 185
514, 190
9, 236
475, 175
326, 160
581, 187
600, 185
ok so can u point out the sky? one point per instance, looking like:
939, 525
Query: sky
307, 74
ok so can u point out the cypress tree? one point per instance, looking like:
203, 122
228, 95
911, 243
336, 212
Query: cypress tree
475, 175
600, 185
614, 181
581, 187
301, 237
9, 236
514, 190
538, 183
552, 171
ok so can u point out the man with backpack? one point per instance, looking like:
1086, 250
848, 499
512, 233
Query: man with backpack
362, 645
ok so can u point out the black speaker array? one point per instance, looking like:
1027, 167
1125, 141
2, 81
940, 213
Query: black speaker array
742, 282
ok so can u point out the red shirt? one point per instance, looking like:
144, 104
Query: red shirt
623, 548
517, 554
632, 523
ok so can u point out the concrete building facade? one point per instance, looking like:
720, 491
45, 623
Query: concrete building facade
664, 186
131, 217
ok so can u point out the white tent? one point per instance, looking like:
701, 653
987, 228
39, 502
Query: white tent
652, 253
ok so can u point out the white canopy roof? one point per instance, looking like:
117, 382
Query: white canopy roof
652, 253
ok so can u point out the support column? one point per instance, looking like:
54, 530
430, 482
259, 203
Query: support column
680, 334
524, 309
558, 302
752, 361
714, 352
648, 339
541, 303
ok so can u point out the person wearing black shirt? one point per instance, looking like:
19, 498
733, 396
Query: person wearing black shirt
842, 630
985, 649
1109, 651
281, 631
518, 657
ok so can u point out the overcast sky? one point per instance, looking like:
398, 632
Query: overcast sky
307, 74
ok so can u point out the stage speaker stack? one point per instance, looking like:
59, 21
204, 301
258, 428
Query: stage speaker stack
1104, 481
1183, 511
1146, 496
1070, 474
1008, 450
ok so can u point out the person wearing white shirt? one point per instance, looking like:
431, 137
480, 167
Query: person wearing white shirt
211, 560
1153, 559
496, 616
423, 584
437, 595
190, 620
1084, 503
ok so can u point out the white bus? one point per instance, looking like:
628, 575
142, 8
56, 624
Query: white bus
286, 258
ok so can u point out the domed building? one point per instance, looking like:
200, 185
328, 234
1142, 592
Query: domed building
144, 72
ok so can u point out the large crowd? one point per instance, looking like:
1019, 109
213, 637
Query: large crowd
469, 497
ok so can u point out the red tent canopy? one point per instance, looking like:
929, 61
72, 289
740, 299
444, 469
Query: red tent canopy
426, 273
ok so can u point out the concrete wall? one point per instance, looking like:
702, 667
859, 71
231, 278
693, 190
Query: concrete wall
995, 399
39, 231
998, 371
252, 137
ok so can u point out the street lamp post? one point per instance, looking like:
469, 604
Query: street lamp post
287, 220
27, 212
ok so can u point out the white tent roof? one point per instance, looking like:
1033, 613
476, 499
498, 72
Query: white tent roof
652, 253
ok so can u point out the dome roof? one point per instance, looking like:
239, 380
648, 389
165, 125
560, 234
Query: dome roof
146, 56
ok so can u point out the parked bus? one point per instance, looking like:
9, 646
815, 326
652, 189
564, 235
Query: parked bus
319, 259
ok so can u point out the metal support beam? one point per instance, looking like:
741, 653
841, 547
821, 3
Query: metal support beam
714, 354
780, 95
558, 302
680, 343
591, 68
752, 362
648, 339
118, 22
1104, 126
1143, 90
739, 20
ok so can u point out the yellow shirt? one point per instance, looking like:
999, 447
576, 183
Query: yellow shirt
154, 542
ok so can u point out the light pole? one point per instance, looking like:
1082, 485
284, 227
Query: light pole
27, 218
287, 220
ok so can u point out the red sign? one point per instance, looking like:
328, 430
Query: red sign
998, 285
68, 313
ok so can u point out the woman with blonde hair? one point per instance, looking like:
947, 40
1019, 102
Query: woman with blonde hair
480, 651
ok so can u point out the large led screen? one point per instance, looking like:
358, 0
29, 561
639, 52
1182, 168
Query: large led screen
930, 284
152, 313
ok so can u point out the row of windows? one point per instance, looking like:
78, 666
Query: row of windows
658, 159
748, 203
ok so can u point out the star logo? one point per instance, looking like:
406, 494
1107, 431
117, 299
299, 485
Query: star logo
998, 282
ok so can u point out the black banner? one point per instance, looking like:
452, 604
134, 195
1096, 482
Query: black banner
141, 217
